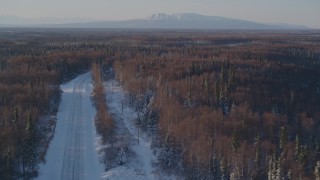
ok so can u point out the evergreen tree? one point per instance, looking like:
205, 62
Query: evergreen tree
275, 171
166, 154
297, 148
188, 102
223, 169
279, 170
122, 157
151, 117
30, 148
258, 158
217, 94
283, 138
15, 117
302, 157
270, 169
235, 142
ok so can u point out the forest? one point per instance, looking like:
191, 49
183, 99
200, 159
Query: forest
218, 104
231, 106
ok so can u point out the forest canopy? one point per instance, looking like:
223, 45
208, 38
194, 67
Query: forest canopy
224, 105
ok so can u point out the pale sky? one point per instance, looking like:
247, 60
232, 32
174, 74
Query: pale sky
301, 12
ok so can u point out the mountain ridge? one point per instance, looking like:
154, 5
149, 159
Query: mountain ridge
158, 21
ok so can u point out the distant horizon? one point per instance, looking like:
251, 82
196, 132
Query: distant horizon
286, 11
67, 20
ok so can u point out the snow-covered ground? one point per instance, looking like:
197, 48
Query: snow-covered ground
141, 165
72, 153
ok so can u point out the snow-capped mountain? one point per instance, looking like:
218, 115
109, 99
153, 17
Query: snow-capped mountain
182, 16
176, 16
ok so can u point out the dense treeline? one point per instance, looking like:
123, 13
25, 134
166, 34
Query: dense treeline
26, 93
104, 122
240, 110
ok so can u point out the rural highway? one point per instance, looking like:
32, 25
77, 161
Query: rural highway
72, 152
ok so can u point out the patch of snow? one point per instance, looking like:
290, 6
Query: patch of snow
160, 16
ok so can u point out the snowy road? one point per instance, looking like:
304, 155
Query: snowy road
72, 153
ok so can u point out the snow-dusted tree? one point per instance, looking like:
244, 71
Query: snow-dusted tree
189, 102
147, 119
270, 169
317, 171
302, 157
236, 173
142, 117
122, 157
223, 169
152, 119
166, 154
289, 174
274, 169
279, 171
